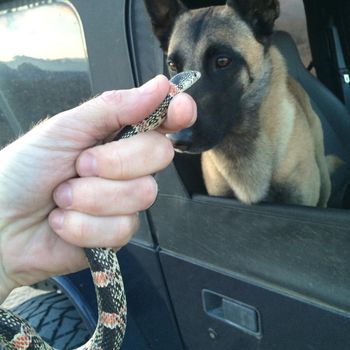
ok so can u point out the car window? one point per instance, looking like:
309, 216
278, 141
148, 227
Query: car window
43, 64
293, 20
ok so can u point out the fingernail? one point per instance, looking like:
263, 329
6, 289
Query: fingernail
56, 219
150, 87
63, 196
87, 165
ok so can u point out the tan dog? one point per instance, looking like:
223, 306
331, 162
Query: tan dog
258, 134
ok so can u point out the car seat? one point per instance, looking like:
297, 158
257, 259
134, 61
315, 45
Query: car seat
334, 116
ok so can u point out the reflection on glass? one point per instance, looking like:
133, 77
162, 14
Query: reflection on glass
43, 64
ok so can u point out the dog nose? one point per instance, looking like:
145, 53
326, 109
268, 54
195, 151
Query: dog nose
182, 140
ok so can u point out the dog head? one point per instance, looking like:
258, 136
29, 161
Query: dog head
227, 44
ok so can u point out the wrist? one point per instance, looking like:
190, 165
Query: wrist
6, 284
5, 289
3, 294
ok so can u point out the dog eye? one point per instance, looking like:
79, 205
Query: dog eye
223, 61
172, 66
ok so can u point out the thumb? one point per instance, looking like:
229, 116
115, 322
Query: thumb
102, 116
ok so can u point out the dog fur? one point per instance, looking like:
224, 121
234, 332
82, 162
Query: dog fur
258, 134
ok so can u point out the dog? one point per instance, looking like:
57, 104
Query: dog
259, 137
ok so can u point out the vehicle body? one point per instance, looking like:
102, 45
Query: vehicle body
211, 273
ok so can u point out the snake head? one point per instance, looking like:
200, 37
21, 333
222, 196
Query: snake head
185, 80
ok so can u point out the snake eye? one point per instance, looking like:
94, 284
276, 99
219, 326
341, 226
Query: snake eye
172, 66
223, 62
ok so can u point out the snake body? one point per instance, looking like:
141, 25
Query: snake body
17, 334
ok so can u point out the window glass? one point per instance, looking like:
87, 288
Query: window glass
43, 64
293, 20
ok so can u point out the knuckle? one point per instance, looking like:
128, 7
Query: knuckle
133, 223
165, 151
79, 232
92, 202
94, 206
118, 163
75, 228
149, 193
169, 151
111, 161
129, 226
114, 97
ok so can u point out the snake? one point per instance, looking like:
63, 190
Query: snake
17, 334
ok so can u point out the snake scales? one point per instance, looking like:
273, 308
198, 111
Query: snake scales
17, 334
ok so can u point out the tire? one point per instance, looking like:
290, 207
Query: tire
56, 319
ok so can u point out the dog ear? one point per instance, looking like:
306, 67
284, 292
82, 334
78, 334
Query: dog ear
163, 14
261, 14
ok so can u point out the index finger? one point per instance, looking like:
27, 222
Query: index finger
102, 116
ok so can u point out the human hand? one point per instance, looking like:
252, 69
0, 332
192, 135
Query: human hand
48, 212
